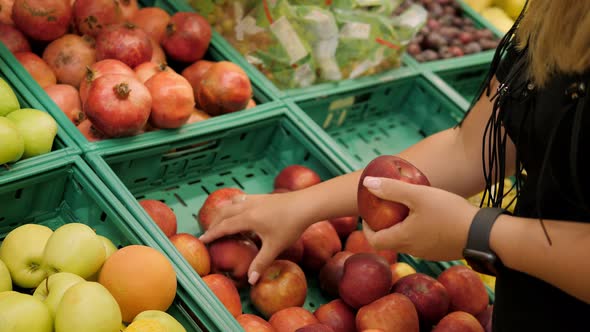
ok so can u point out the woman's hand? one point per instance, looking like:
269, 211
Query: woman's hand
276, 218
436, 227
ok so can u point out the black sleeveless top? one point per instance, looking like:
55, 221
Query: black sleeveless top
550, 127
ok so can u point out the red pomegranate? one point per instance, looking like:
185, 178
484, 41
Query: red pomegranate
124, 42
91, 16
172, 99
148, 69
118, 105
6, 11
128, 8
66, 97
100, 68
88, 130
194, 74
187, 37
224, 88
37, 68
153, 21
69, 56
13, 39
43, 20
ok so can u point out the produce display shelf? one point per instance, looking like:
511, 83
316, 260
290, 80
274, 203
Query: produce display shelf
66, 191
383, 118
63, 145
260, 96
247, 155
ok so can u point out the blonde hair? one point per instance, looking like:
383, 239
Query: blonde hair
558, 36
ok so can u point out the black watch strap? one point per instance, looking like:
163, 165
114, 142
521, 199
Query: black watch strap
481, 226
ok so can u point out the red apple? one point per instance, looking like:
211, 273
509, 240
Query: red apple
466, 289
231, 256
458, 321
281, 285
429, 296
317, 327
331, 273
365, 278
337, 315
292, 318
225, 291
393, 312
357, 243
294, 253
320, 242
194, 251
213, 202
485, 318
161, 214
378, 213
296, 177
400, 270
253, 323
344, 225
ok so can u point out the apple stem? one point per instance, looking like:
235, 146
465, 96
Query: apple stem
122, 90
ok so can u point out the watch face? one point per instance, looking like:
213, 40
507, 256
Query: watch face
482, 262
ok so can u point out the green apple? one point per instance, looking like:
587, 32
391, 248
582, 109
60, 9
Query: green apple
37, 128
8, 100
110, 249
23, 313
13, 144
74, 248
171, 324
5, 280
22, 252
88, 306
52, 289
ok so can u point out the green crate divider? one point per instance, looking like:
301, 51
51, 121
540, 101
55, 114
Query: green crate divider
260, 92
62, 145
381, 119
246, 155
66, 191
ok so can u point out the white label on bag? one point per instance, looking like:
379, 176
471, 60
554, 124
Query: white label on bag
238, 11
304, 76
355, 30
284, 32
253, 60
247, 26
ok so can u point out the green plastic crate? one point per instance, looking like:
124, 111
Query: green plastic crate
383, 118
62, 145
260, 93
66, 190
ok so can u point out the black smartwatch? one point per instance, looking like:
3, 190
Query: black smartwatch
477, 251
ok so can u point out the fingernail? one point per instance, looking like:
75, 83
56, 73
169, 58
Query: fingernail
253, 278
202, 237
371, 182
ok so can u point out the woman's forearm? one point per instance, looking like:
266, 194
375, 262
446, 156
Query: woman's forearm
521, 245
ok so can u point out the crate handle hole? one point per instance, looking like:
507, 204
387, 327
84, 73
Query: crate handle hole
205, 190
103, 216
306, 157
194, 182
180, 199
225, 173
140, 180
2, 218
172, 188
264, 171
224, 157
238, 183
249, 175
18, 193
220, 184
311, 304
140, 197
243, 136
422, 133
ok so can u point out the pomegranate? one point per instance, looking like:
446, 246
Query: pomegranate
197, 116
90, 16
124, 42
173, 99
153, 21
69, 56
118, 105
187, 37
99, 68
224, 88
158, 55
148, 69
37, 68
6, 11
43, 20
194, 74
66, 97
128, 8
88, 130
14, 40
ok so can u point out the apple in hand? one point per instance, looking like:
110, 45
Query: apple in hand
296, 177
22, 252
214, 201
169, 322
88, 306
331, 273
13, 144
393, 312
23, 313
194, 251
231, 256
37, 128
74, 248
52, 289
429, 296
458, 321
281, 285
365, 278
378, 213
161, 214
337, 315
5, 280
320, 242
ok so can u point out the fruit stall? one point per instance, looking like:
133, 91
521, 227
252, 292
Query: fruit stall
125, 125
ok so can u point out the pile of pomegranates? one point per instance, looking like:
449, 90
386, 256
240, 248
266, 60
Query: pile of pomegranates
118, 70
